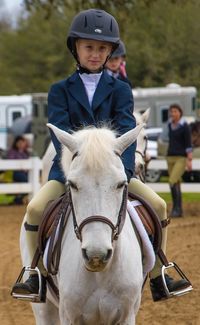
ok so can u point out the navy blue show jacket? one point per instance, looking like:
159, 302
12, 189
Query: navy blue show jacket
69, 109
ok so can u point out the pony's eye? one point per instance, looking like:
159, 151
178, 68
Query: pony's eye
121, 184
73, 185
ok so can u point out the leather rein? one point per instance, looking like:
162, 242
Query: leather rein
116, 229
142, 173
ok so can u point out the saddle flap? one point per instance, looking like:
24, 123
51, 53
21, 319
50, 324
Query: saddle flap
49, 216
149, 219
146, 220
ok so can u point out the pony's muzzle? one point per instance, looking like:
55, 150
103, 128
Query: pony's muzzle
96, 261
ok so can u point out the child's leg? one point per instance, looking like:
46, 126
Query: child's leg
50, 191
156, 283
157, 203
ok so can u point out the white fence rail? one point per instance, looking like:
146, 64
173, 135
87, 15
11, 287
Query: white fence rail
32, 165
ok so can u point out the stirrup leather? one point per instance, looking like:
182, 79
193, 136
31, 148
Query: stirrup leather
180, 292
32, 297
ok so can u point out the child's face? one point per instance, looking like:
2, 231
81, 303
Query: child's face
92, 54
114, 63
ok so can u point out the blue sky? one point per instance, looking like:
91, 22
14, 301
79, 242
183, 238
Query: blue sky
12, 4
11, 9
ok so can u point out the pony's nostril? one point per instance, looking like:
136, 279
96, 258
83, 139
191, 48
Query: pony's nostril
141, 167
108, 256
84, 253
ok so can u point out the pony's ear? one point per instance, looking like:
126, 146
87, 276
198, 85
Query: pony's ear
64, 138
145, 115
123, 142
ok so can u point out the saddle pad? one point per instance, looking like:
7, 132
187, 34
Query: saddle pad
147, 248
47, 247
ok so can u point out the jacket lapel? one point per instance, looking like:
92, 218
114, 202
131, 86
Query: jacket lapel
77, 90
104, 88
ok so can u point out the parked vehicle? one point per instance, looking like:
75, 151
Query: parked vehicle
153, 175
159, 99
12, 108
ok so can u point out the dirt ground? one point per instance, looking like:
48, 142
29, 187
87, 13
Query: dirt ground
183, 247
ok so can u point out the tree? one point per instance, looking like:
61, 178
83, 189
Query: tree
163, 45
35, 54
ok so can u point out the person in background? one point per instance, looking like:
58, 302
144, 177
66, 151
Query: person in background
116, 65
179, 155
19, 150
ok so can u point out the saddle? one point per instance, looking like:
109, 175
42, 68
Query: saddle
55, 218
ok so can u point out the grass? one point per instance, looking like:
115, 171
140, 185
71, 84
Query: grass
187, 197
6, 199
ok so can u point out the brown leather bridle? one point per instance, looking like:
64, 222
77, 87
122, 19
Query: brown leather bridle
142, 173
143, 154
116, 229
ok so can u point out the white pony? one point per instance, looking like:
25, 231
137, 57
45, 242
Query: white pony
140, 153
100, 277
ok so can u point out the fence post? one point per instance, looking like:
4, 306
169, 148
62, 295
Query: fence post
34, 175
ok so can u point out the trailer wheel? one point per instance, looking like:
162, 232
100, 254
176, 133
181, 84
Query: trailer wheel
153, 175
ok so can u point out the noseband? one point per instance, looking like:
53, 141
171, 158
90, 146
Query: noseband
116, 229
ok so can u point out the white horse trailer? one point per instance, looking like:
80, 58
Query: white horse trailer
12, 108
159, 100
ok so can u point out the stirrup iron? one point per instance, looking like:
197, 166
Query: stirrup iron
180, 292
32, 297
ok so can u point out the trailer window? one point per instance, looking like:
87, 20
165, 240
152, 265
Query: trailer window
193, 103
164, 116
35, 110
16, 115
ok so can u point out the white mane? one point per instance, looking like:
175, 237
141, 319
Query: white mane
96, 147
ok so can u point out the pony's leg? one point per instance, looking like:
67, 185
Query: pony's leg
64, 320
46, 313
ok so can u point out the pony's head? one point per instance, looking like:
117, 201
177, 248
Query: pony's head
95, 174
140, 155
195, 133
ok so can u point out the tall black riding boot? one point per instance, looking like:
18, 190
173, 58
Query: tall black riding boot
177, 201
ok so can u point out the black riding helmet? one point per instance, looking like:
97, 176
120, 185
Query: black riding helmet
120, 51
94, 24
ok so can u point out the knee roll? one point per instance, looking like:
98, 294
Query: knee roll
161, 209
34, 213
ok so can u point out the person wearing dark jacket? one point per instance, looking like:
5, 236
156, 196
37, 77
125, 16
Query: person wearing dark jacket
116, 65
179, 155
19, 150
